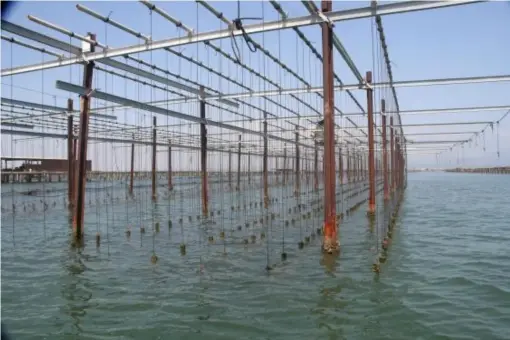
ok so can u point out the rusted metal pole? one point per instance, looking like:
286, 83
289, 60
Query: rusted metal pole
154, 155
297, 183
249, 168
81, 175
203, 153
340, 166
276, 167
330, 242
264, 164
348, 158
70, 156
316, 168
238, 186
170, 184
392, 156
230, 169
371, 154
385, 152
285, 164
397, 164
132, 170
359, 162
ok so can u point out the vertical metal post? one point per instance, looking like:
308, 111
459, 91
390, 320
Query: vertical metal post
238, 186
276, 167
230, 168
316, 168
249, 168
359, 166
81, 175
285, 164
348, 158
330, 242
297, 188
170, 184
398, 165
392, 156
371, 154
264, 164
70, 156
340, 166
203, 153
154, 155
385, 152
132, 171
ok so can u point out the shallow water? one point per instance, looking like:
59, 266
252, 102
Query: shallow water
447, 275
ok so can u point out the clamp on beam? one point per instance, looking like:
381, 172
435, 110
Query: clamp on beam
325, 19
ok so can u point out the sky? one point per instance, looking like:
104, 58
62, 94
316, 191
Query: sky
461, 41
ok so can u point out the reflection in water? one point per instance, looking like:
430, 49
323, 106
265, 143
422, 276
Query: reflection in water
75, 287
328, 308
329, 262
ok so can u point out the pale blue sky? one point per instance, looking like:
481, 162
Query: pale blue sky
471, 40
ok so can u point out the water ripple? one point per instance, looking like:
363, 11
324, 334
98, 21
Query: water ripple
447, 275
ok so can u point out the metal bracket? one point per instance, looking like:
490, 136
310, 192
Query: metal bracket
85, 58
325, 19
89, 93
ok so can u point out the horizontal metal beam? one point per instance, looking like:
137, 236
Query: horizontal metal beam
41, 38
351, 87
24, 104
17, 125
427, 124
358, 13
436, 141
150, 108
441, 133
32, 47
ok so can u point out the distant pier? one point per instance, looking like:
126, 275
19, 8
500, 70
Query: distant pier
504, 170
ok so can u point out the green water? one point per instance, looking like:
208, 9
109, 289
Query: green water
447, 275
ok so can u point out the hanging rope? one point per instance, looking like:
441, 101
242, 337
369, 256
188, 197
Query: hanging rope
238, 25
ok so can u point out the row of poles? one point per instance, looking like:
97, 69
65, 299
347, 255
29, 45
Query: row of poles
77, 152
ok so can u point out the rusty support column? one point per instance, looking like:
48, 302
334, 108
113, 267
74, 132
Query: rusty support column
203, 153
359, 161
285, 164
371, 155
264, 164
81, 170
70, 156
355, 166
398, 165
392, 157
276, 167
238, 186
316, 168
297, 188
154, 155
330, 243
385, 152
340, 166
348, 159
249, 168
170, 184
230, 168
132, 171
